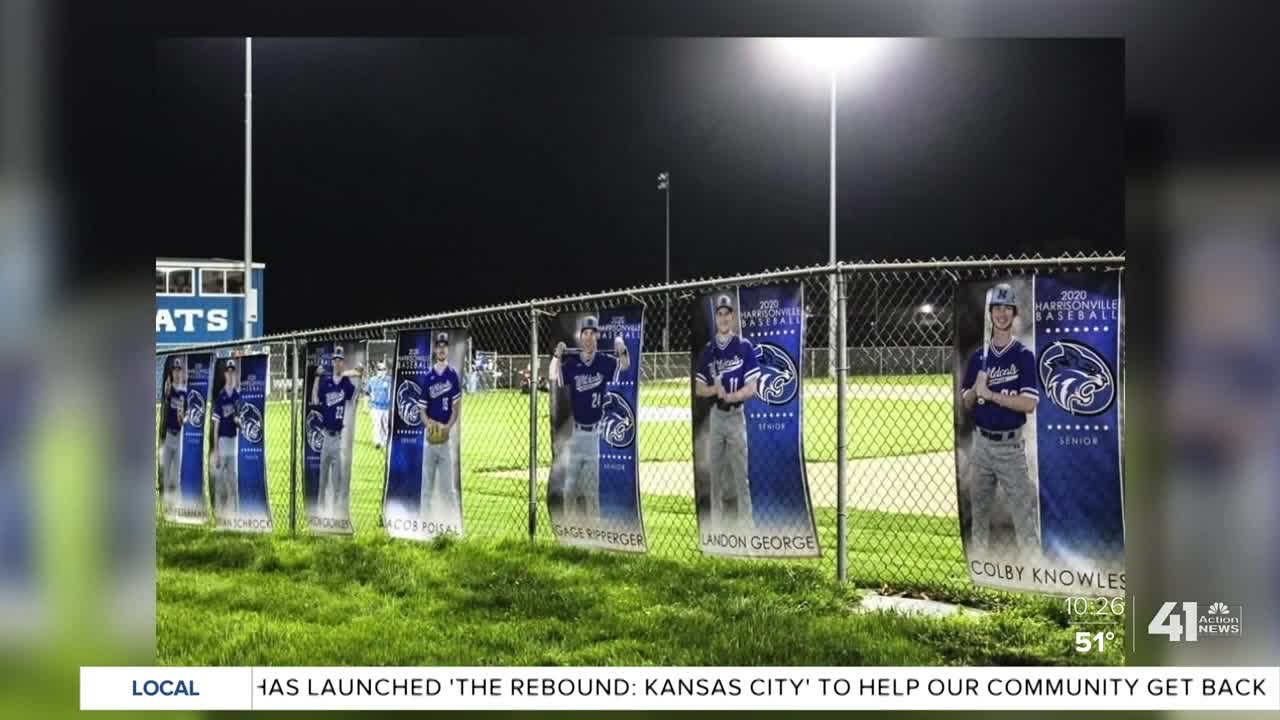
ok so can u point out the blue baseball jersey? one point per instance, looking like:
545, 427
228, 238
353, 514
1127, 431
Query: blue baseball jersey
588, 383
1011, 370
441, 391
225, 409
735, 363
333, 401
379, 388
173, 407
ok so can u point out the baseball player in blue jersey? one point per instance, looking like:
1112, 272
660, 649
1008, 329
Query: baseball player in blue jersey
332, 392
223, 446
728, 372
174, 411
378, 388
587, 374
999, 388
441, 409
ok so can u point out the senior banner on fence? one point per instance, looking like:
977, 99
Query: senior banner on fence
332, 391
750, 479
237, 470
1040, 492
182, 452
594, 486
423, 492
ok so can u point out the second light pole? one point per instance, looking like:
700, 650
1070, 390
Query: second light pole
664, 184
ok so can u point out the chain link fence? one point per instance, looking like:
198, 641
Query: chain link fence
898, 476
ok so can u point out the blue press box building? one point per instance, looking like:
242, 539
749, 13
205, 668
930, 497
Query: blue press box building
202, 300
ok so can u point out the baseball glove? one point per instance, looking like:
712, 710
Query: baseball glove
437, 434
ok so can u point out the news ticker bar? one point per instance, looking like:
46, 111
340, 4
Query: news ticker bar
604, 689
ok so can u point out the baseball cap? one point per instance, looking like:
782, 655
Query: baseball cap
442, 338
337, 353
176, 362
382, 366
231, 365
724, 301
590, 323
1002, 294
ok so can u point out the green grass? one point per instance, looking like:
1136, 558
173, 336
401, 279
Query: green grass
497, 598
225, 599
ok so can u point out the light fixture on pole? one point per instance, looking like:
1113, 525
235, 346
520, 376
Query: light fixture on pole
664, 184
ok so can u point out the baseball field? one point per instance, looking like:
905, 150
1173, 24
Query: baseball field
495, 597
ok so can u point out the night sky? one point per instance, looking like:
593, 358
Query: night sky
407, 176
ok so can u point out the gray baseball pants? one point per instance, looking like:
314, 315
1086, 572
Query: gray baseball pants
730, 488
226, 488
1002, 463
335, 486
437, 473
582, 473
170, 467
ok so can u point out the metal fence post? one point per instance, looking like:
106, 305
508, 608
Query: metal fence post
842, 437
533, 421
294, 388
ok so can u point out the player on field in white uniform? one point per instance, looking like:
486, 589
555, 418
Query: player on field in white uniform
378, 388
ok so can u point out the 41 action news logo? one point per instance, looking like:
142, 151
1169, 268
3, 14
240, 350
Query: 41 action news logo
1187, 622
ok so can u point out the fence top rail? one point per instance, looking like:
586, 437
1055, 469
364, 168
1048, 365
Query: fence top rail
683, 285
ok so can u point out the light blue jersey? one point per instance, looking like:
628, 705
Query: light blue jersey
379, 388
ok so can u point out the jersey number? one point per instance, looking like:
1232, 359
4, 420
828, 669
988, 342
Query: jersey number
733, 385
446, 404
595, 400
339, 411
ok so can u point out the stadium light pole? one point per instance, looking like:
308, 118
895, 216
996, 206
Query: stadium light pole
250, 302
833, 55
832, 310
664, 184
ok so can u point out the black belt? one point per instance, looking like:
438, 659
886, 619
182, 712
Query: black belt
727, 408
998, 436
171, 432
333, 433
588, 428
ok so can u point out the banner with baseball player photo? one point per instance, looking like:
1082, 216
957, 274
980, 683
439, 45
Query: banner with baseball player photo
593, 491
750, 481
423, 493
184, 392
237, 450
332, 387
1038, 430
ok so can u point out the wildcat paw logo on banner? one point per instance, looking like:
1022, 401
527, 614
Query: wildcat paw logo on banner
195, 409
315, 430
408, 393
778, 377
251, 423
1077, 378
619, 422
